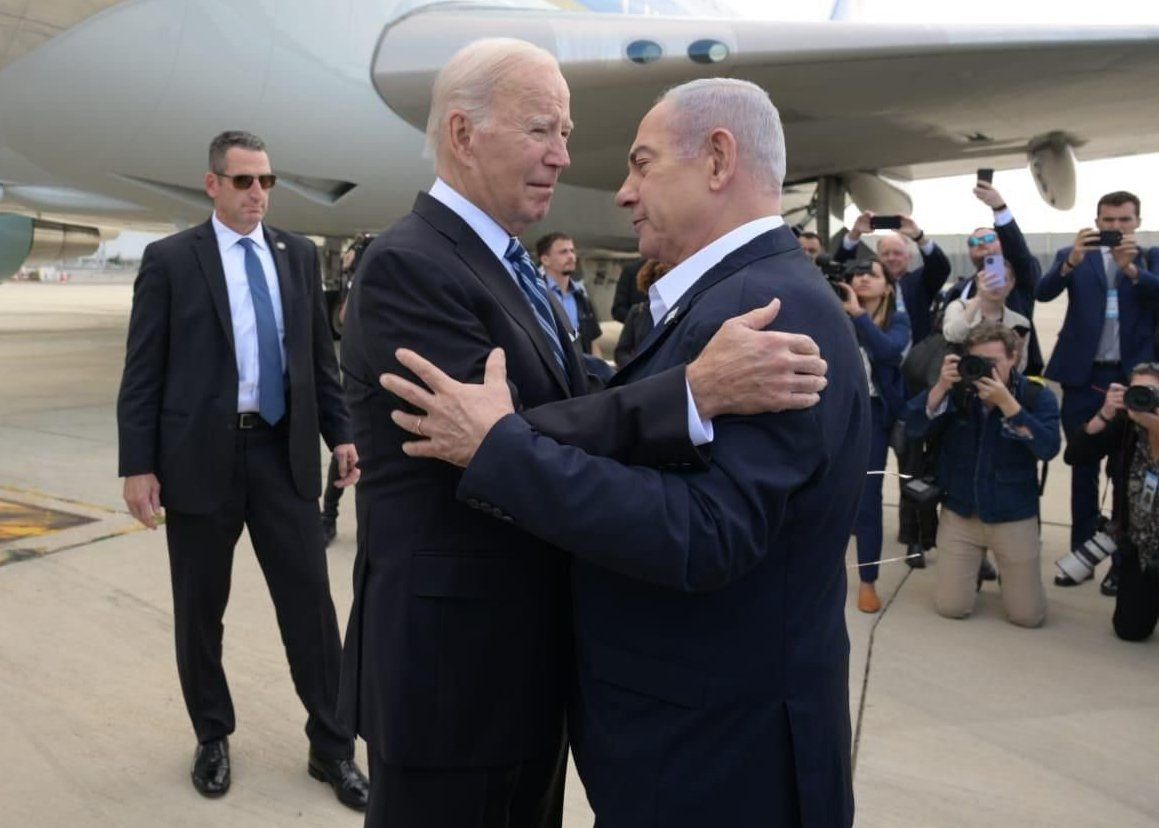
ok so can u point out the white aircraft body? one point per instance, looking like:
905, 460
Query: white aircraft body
106, 110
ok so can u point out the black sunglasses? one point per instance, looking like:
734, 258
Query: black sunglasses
244, 182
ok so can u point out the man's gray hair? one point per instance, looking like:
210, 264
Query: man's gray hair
744, 109
226, 141
469, 79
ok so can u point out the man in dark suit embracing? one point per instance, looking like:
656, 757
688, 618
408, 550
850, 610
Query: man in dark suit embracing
711, 648
458, 654
229, 378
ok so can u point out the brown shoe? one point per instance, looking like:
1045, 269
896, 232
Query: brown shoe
867, 600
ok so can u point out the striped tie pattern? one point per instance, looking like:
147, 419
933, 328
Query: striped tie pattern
532, 284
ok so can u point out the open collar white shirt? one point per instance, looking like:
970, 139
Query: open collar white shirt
665, 294
241, 306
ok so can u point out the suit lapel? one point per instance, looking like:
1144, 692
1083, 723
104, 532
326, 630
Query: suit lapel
209, 257
775, 241
494, 276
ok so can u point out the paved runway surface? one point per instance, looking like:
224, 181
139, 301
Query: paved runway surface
958, 723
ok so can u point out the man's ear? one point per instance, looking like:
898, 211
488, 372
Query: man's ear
212, 182
461, 134
722, 154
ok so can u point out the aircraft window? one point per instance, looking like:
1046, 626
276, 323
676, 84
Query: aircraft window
707, 51
644, 51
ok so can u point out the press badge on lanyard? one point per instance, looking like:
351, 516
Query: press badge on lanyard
1150, 486
1113, 304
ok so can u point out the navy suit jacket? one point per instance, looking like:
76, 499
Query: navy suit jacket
1086, 288
709, 604
458, 650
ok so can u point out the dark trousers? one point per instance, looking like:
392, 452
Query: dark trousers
1079, 404
1137, 602
287, 539
916, 523
526, 795
867, 525
331, 494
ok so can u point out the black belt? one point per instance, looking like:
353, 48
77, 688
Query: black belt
251, 421
1107, 364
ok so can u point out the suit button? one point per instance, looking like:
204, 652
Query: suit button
473, 503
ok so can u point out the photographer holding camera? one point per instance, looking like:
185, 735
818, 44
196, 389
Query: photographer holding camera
883, 334
992, 285
995, 426
1127, 427
1112, 292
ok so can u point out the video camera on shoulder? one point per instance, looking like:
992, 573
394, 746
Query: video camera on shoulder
1141, 398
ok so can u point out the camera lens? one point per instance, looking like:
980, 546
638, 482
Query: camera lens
1141, 398
973, 368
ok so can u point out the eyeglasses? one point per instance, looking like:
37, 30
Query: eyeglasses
985, 238
244, 182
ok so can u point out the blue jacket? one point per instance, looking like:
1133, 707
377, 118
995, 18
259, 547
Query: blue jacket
1086, 288
984, 467
709, 604
886, 349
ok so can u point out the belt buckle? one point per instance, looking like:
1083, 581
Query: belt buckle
247, 420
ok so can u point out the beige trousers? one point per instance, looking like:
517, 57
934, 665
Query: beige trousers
961, 544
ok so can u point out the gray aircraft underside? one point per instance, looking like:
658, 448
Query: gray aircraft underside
107, 108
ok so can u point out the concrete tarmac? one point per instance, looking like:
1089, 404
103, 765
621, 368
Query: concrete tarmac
957, 723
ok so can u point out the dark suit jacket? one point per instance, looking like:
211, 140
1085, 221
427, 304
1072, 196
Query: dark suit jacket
709, 605
458, 651
1086, 288
918, 286
177, 409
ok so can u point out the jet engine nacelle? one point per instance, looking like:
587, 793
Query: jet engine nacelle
26, 240
1052, 165
872, 192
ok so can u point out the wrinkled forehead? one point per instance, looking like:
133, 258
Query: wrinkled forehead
534, 87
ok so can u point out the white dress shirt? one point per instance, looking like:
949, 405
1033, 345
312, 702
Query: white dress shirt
241, 307
664, 295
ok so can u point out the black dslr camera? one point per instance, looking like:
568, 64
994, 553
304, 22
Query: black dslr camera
1142, 398
834, 273
973, 368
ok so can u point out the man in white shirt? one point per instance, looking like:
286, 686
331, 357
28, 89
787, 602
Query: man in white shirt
229, 378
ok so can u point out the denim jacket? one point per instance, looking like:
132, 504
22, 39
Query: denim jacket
985, 467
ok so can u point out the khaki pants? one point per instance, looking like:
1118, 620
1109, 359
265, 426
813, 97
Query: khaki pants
961, 544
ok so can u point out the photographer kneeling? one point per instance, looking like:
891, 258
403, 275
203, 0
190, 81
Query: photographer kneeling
883, 334
1127, 426
995, 425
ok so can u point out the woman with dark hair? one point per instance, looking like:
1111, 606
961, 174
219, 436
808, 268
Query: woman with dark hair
883, 333
1127, 427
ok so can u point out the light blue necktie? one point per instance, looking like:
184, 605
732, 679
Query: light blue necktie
271, 388
532, 284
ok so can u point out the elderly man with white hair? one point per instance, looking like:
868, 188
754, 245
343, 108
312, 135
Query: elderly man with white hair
711, 648
459, 656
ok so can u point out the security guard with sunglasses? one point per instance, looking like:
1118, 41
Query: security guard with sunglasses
229, 378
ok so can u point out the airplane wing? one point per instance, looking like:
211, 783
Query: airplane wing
907, 101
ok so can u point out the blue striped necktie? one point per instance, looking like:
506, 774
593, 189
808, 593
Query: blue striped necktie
532, 284
271, 388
